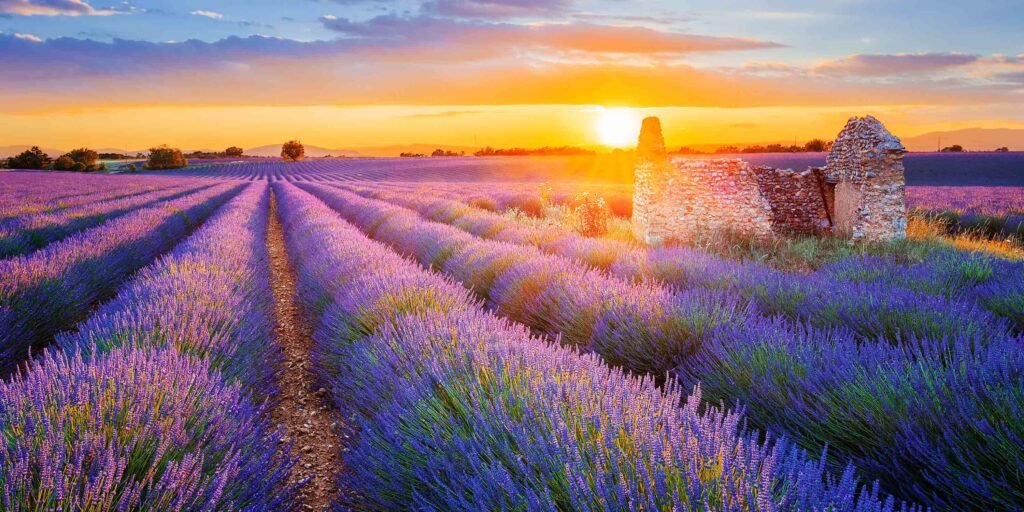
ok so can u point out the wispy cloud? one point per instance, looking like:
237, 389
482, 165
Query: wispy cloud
568, 37
213, 15
879, 65
29, 37
52, 8
493, 9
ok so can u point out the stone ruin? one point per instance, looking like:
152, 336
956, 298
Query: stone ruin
859, 193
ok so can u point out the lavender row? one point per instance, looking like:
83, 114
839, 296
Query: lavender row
153, 392
30, 232
964, 201
601, 168
650, 330
942, 295
456, 409
210, 297
528, 198
990, 201
26, 193
937, 420
50, 289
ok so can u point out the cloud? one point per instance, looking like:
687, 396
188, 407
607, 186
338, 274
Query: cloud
433, 62
51, 8
64, 58
495, 8
880, 65
1015, 79
29, 37
568, 37
208, 14
661, 19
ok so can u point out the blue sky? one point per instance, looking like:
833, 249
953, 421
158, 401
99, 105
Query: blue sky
824, 28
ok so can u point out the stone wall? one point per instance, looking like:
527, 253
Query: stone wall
859, 193
797, 200
866, 164
683, 199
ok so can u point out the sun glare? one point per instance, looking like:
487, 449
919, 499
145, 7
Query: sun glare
618, 127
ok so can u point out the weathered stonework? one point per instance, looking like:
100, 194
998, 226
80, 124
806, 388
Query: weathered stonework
866, 166
797, 199
679, 199
860, 192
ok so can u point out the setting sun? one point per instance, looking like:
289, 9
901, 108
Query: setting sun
618, 127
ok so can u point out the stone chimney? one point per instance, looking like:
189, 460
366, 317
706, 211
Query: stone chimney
652, 143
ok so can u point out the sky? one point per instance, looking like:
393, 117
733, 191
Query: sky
363, 73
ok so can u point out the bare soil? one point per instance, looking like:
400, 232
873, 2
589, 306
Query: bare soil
308, 417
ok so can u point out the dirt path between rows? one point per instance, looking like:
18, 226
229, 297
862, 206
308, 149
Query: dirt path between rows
309, 419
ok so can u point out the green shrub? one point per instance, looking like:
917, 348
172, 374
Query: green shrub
84, 156
31, 159
64, 163
590, 217
163, 157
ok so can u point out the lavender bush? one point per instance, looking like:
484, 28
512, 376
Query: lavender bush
629, 325
134, 430
932, 419
949, 274
210, 297
457, 409
30, 232
29, 193
48, 290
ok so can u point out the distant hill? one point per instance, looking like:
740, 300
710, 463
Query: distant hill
972, 139
9, 151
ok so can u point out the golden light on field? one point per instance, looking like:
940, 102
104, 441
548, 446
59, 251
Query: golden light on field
618, 127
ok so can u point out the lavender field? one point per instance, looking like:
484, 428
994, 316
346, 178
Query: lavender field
429, 334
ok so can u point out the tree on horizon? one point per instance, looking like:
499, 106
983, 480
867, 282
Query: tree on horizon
33, 158
164, 157
293, 151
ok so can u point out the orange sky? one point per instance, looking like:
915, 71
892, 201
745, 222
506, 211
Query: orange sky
211, 127
496, 72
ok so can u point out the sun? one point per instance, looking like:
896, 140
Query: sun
618, 127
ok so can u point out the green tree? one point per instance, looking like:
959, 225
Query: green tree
163, 157
234, 151
64, 163
84, 156
32, 159
293, 151
815, 146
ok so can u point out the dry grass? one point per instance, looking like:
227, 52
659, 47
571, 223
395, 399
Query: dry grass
925, 235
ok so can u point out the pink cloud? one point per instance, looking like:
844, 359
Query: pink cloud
495, 8
568, 37
50, 8
878, 65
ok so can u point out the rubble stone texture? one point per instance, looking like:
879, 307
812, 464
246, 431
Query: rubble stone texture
860, 192
866, 164
798, 200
